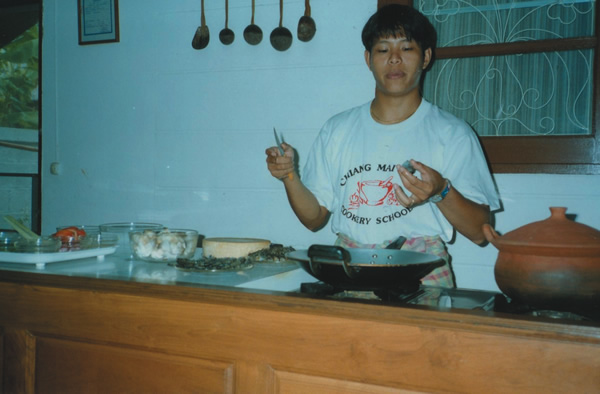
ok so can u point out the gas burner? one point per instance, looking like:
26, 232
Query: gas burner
445, 299
318, 288
506, 305
557, 314
389, 295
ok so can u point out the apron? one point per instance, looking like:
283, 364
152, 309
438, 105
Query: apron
441, 276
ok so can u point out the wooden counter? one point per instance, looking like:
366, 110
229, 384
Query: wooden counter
64, 334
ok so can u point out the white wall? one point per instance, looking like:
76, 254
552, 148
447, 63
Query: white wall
149, 129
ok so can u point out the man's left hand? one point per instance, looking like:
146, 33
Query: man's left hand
417, 190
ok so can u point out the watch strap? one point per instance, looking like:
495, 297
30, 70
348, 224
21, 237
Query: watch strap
439, 197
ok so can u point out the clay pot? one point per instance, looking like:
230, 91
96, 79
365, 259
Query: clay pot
551, 264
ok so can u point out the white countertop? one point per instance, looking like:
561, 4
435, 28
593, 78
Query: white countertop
276, 276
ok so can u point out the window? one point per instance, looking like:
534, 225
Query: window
19, 112
524, 75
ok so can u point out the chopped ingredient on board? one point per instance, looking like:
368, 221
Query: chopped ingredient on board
274, 253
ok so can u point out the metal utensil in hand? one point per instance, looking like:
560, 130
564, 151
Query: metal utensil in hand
281, 151
408, 166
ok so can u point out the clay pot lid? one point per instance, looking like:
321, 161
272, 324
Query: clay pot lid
556, 233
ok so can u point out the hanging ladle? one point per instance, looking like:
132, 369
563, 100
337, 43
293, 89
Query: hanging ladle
226, 35
253, 34
306, 26
281, 37
202, 36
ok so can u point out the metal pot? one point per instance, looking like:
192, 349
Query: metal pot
366, 269
551, 264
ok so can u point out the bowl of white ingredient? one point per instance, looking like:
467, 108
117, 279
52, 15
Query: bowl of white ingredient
165, 245
121, 231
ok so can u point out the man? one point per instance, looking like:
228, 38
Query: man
352, 171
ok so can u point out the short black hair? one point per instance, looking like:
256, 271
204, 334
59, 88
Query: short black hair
399, 21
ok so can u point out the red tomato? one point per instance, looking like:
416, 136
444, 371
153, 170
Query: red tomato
69, 233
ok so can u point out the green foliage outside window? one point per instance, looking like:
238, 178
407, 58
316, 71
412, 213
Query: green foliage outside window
19, 101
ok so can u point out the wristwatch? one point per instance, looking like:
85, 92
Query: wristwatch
439, 197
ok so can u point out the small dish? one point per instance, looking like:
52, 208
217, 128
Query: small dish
71, 237
7, 240
38, 245
99, 240
88, 228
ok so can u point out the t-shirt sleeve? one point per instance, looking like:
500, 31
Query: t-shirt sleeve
466, 167
316, 175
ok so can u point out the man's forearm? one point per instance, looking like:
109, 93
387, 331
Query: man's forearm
465, 215
304, 204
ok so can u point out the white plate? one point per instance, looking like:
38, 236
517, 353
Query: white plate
41, 259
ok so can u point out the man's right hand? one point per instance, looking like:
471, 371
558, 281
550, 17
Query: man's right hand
303, 202
281, 166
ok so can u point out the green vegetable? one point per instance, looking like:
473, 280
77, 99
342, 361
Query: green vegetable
22, 229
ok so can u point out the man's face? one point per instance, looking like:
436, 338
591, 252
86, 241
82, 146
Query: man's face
397, 65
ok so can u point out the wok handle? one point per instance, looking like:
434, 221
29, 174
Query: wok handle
328, 252
397, 244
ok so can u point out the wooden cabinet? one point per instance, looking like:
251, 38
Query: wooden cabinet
76, 335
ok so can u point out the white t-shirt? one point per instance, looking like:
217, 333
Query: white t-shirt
351, 167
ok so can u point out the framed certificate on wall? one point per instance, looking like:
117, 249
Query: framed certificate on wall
98, 21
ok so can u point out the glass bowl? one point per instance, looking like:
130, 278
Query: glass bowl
121, 230
89, 229
70, 236
165, 245
99, 240
68, 243
38, 245
7, 240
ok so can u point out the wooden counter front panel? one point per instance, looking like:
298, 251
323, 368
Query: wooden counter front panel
64, 366
293, 383
18, 361
97, 341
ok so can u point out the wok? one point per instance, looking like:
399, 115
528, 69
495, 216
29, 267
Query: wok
366, 269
